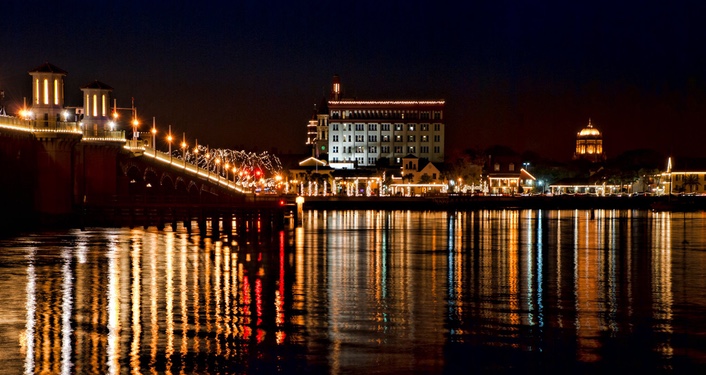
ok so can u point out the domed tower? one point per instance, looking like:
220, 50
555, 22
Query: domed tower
589, 144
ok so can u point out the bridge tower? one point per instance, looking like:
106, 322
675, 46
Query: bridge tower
53, 192
47, 94
96, 109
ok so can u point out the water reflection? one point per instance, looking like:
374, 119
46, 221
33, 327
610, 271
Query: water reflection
363, 291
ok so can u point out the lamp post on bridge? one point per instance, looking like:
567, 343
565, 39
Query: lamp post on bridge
183, 147
169, 140
154, 135
218, 168
134, 122
208, 169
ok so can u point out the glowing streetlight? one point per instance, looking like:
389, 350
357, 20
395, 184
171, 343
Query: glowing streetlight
207, 156
183, 146
218, 165
154, 135
169, 140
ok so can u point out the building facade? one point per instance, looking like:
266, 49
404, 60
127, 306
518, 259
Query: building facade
589, 144
359, 133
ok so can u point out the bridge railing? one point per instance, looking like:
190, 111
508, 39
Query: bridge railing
38, 126
141, 148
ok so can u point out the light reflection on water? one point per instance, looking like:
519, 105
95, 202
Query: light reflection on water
363, 291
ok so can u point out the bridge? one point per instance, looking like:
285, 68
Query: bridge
61, 173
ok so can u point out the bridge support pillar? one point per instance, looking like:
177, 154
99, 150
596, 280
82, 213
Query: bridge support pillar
215, 224
228, 223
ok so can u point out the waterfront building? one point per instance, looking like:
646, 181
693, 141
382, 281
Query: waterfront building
683, 176
360, 133
589, 144
418, 177
506, 176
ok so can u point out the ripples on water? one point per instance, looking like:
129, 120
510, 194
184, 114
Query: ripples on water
363, 292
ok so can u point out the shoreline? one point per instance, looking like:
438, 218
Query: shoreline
470, 203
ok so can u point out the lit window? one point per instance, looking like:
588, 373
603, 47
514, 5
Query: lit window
46, 91
56, 92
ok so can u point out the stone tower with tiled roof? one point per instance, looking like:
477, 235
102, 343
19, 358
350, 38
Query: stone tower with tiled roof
47, 94
96, 108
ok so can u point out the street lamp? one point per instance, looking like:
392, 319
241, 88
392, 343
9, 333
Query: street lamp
169, 140
227, 168
154, 135
183, 146
218, 170
208, 170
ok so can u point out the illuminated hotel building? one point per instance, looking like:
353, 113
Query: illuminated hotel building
358, 133
589, 144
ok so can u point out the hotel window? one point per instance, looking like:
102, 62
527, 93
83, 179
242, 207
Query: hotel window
360, 160
398, 138
398, 127
424, 149
372, 138
411, 149
385, 127
372, 149
334, 149
335, 138
335, 126
425, 138
360, 138
437, 138
385, 149
385, 138
359, 150
437, 149
373, 127
424, 116
372, 161
425, 127
496, 167
511, 167
359, 127
437, 127
349, 138
398, 149
335, 160
411, 138
437, 115
410, 127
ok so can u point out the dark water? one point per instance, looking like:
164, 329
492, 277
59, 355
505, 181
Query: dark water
363, 292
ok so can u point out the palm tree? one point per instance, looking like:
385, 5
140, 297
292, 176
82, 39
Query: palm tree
691, 181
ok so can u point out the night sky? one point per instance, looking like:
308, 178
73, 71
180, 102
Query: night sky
526, 74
